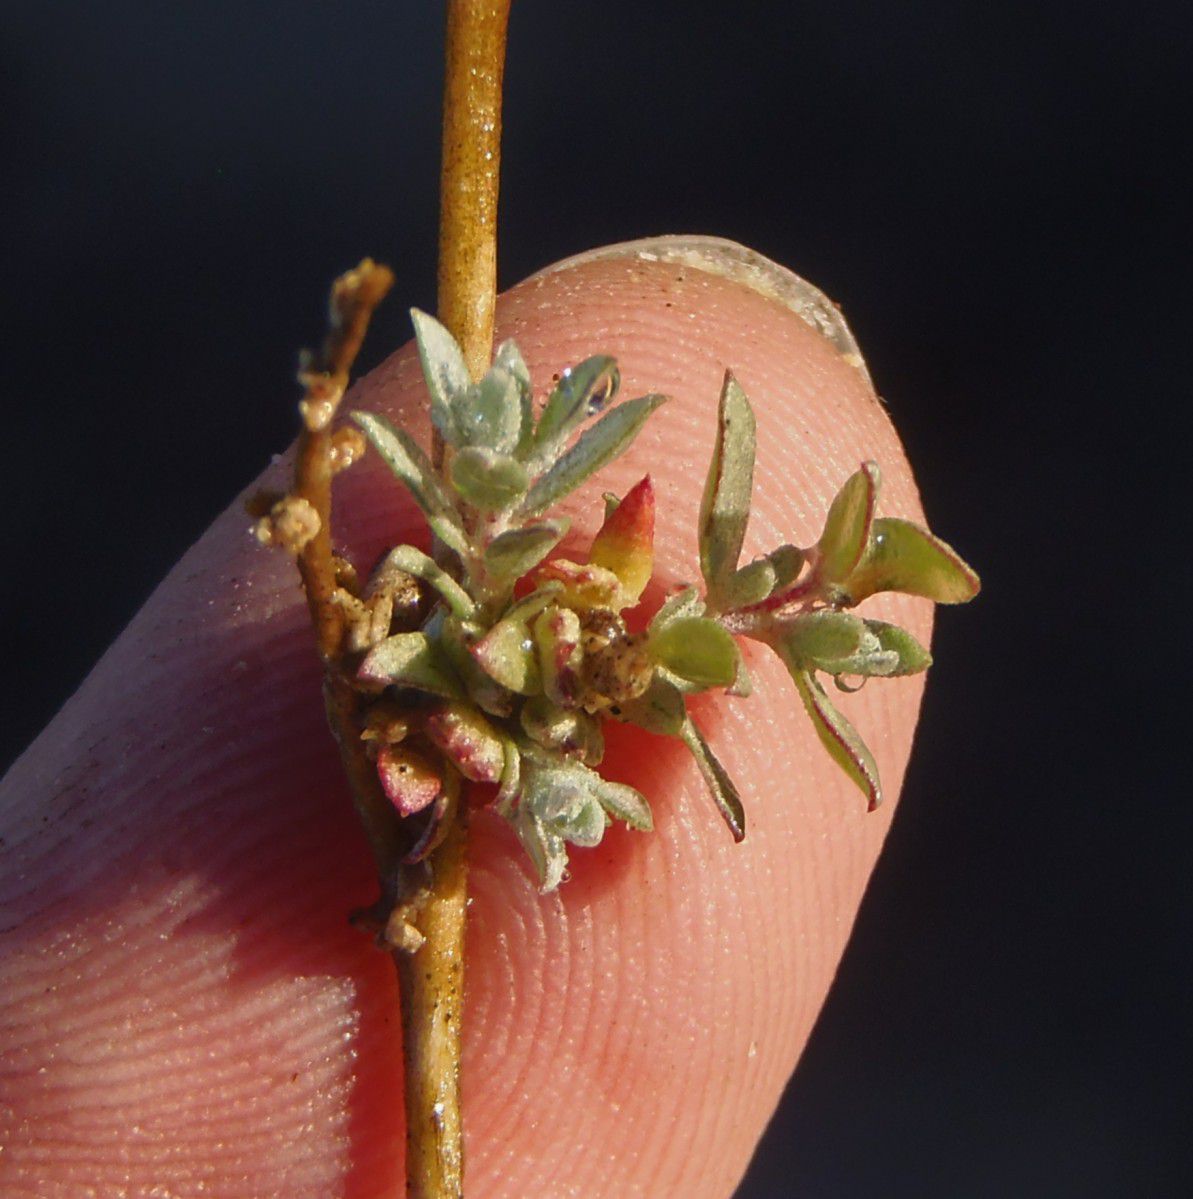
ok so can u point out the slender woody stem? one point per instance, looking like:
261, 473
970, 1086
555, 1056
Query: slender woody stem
475, 62
354, 297
431, 978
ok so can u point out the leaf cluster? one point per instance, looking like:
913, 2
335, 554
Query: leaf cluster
795, 600
517, 658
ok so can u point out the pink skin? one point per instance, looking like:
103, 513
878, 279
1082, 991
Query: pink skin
184, 1004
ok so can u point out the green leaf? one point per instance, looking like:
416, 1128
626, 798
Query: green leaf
682, 604
509, 359
903, 556
582, 391
444, 369
587, 827
717, 779
597, 447
743, 685
838, 736
511, 776
839, 644
562, 796
458, 637
762, 577
488, 480
823, 636
911, 656
698, 650
488, 413
410, 660
725, 506
414, 562
847, 527
563, 801
570, 731
511, 554
659, 709
506, 653
529, 606
546, 850
407, 461
623, 803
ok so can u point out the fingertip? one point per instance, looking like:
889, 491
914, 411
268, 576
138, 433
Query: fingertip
677, 972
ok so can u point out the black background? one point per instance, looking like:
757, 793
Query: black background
988, 189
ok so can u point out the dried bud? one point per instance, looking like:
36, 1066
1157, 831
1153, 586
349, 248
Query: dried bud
291, 524
347, 446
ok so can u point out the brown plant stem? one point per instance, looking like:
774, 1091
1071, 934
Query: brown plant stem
431, 978
475, 64
354, 297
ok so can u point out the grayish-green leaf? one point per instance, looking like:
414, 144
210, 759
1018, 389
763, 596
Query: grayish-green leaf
458, 637
411, 660
659, 709
511, 776
725, 505
582, 391
414, 562
624, 803
697, 649
597, 447
682, 685
822, 636
717, 779
405, 458
903, 556
837, 643
682, 604
486, 479
489, 413
588, 826
564, 801
570, 731
561, 794
911, 656
506, 653
444, 369
847, 526
838, 736
529, 606
510, 555
509, 359
743, 684
762, 577
546, 850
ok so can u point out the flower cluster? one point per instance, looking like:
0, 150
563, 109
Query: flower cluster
492, 659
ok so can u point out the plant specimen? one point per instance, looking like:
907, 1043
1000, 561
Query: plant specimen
482, 666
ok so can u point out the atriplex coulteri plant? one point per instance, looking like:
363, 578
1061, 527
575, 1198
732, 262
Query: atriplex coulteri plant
490, 661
